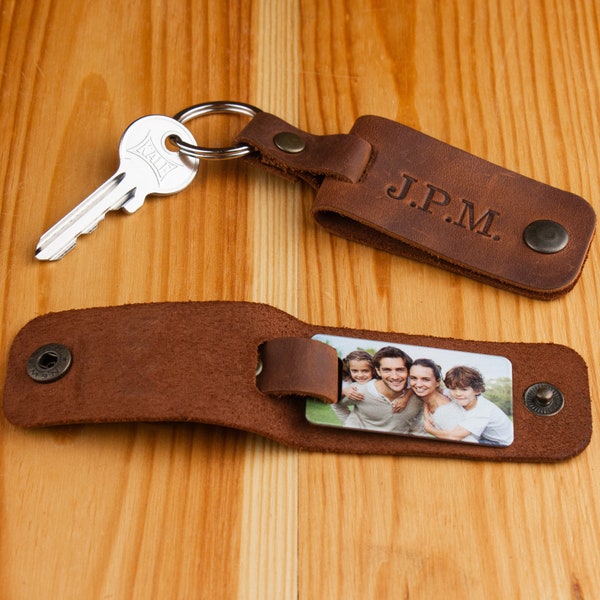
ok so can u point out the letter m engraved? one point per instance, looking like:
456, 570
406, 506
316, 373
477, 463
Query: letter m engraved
481, 225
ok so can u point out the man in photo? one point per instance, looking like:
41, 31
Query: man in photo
387, 404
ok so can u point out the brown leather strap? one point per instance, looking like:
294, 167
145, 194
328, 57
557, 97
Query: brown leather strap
299, 366
401, 191
340, 156
198, 361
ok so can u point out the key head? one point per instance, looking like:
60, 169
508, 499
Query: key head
147, 160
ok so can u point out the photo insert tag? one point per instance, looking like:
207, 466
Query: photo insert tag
419, 391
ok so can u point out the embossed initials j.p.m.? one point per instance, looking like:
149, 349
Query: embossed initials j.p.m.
432, 197
424, 199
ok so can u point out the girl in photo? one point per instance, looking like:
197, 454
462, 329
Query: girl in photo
358, 369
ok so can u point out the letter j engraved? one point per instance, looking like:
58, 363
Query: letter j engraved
392, 191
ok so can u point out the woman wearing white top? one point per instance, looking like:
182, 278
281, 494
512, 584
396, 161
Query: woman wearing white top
439, 411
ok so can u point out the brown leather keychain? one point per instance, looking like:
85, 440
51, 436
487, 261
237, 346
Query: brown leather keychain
382, 184
396, 189
255, 368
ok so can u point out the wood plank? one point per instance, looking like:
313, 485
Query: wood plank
193, 511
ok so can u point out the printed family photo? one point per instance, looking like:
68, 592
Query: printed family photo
420, 391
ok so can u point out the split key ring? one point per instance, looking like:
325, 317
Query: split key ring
207, 108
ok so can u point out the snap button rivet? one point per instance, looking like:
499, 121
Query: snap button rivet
49, 363
289, 142
546, 237
543, 399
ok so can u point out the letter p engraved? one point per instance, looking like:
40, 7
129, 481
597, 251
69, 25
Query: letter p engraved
443, 198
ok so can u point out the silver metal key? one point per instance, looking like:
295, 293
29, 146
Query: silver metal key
146, 167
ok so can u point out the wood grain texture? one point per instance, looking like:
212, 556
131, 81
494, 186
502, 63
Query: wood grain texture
186, 511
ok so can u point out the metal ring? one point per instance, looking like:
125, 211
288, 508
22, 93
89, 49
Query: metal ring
208, 108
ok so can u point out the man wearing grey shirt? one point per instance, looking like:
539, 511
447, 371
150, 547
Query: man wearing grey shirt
387, 404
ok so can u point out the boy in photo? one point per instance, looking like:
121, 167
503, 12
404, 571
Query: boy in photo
483, 419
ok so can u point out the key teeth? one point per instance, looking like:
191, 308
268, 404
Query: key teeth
42, 252
133, 202
90, 229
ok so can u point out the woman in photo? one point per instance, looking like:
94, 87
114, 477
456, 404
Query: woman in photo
439, 411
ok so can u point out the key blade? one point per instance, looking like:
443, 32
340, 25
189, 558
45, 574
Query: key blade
48, 253
84, 218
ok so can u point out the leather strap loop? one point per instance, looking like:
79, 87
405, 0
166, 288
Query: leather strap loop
340, 156
429, 201
301, 367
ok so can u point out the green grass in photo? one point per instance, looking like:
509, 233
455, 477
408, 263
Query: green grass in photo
320, 413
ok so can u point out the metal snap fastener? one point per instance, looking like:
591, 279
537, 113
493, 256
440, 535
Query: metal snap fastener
259, 367
289, 142
546, 237
49, 363
543, 399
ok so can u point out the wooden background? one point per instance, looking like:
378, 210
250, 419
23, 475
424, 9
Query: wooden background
187, 511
